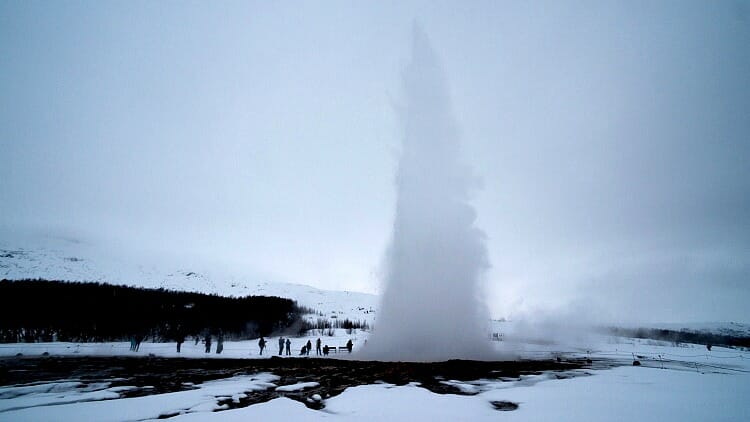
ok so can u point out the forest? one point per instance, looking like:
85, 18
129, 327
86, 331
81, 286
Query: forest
44, 310
683, 336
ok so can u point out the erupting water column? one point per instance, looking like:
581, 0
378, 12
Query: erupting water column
430, 308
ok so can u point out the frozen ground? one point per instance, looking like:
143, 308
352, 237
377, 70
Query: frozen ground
247, 349
685, 382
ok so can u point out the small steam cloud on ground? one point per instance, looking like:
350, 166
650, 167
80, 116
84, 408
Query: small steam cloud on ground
570, 327
430, 307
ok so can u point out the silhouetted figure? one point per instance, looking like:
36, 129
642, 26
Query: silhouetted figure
325, 350
138, 340
309, 346
132, 343
262, 345
197, 339
303, 350
281, 345
220, 343
208, 343
708, 346
180, 340
288, 347
317, 347
349, 345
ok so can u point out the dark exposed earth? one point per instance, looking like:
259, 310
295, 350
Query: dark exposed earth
163, 375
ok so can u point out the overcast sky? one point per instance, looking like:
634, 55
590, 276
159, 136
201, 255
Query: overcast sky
612, 140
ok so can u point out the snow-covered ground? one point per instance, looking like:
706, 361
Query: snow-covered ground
64, 402
685, 382
246, 349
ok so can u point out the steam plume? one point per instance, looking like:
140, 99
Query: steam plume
430, 308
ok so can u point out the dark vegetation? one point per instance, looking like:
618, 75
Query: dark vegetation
326, 326
683, 336
40, 310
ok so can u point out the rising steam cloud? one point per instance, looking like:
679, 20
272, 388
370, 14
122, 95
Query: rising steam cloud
430, 307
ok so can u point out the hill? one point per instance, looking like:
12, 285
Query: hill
71, 259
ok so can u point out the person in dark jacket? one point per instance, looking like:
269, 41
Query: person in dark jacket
281, 345
262, 345
288, 347
180, 340
220, 343
309, 346
317, 347
349, 345
208, 343
138, 340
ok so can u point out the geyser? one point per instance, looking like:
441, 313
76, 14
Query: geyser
430, 307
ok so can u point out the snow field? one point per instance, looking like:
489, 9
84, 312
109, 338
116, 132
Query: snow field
245, 349
203, 399
695, 385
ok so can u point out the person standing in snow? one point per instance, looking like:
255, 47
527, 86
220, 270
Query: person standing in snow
317, 347
138, 340
262, 345
281, 345
288, 347
309, 347
349, 345
180, 340
220, 343
208, 343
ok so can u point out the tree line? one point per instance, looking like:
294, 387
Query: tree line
44, 310
682, 336
325, 326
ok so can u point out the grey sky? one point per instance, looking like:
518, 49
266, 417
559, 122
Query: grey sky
612, 140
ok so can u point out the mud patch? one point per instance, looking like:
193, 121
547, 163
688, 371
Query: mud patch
504, 406
156, 375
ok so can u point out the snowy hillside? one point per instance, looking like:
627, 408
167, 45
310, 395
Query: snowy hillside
69, 259
72, 259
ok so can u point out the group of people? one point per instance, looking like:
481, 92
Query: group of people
306, 348
207, 341
285, 345
135, 342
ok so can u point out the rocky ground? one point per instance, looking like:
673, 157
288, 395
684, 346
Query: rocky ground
155, 375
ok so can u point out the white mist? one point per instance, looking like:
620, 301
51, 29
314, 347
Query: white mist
430, 307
